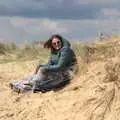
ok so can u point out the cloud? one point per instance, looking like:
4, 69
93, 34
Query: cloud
9, 32
27, 29
22, 20
55, 9
111, 13
97, 1
22, 29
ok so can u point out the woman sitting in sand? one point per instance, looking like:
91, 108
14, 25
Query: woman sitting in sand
56, 73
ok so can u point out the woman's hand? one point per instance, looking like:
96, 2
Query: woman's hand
41, 69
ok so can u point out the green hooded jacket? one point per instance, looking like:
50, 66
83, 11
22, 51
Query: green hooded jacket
62, 58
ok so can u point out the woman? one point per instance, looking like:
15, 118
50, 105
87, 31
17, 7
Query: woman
56, 73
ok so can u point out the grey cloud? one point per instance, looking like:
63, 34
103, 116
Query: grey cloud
54, 9
22, 29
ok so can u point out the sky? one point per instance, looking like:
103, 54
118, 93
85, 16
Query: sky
36, 20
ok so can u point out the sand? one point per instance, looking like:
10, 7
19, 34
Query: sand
90, 96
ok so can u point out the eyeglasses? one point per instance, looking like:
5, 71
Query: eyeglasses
56, 43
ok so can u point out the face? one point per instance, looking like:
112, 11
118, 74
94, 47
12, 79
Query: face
56, 43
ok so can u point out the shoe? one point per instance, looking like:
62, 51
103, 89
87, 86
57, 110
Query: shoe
11, 85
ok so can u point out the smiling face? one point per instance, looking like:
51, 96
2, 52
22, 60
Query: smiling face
56, 43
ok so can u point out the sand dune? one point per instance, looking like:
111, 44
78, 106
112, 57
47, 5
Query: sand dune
89, 96
93, 94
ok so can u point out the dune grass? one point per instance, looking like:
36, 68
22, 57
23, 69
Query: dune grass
85, 52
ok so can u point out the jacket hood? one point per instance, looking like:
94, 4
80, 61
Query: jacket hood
66, 43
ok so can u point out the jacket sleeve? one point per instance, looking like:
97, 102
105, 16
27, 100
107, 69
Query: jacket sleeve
45, 65
65, 58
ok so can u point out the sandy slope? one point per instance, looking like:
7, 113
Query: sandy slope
88, 97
